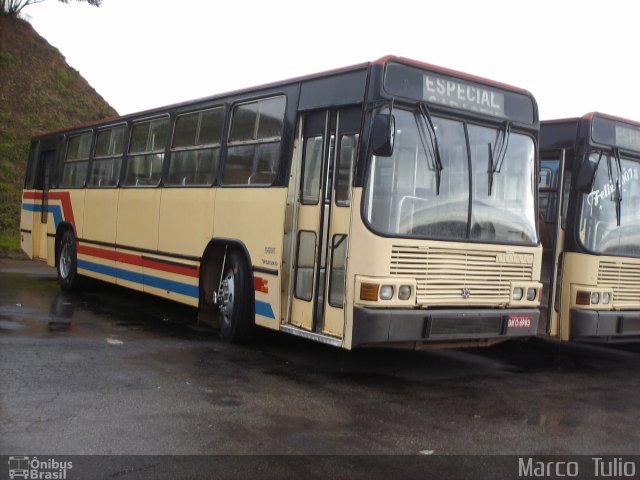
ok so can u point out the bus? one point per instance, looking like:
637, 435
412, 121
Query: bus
387, 203
589, 188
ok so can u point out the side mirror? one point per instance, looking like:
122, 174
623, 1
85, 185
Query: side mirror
584, 179
383, 135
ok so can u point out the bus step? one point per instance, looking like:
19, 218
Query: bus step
318, 337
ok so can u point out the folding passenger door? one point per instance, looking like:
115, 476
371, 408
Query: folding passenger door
323, 204
551, 205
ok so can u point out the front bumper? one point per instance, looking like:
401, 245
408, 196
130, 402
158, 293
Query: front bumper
372, 325
604, 325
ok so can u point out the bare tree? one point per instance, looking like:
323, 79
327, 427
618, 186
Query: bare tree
12, 8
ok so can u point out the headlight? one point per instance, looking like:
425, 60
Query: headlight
595, 298
386, 292
531, 294
606, 298
517, 293
404, 292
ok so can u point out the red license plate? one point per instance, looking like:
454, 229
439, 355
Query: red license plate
519, 321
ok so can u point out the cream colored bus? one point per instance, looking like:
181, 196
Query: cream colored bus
391, 202
589, 191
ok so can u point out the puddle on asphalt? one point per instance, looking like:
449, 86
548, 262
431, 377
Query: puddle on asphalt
11, 325
31, 303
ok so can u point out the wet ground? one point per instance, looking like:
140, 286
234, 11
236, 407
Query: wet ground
114, 371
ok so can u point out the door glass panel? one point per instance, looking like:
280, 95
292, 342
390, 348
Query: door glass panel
305, 262
344, 174
312, 170
338, 266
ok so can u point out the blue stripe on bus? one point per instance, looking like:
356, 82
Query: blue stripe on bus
55, 209
264, 309
135, 277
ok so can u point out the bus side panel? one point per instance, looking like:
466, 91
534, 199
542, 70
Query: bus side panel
255, 216
100, 214
28, 219
185, 227
186, 220
175, 280
137, 226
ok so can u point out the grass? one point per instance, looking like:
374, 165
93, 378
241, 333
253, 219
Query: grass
55, 97
10, 241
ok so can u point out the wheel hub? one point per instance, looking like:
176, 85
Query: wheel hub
226, 297
65, 260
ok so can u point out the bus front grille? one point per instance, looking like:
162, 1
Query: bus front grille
448, 276
624, 279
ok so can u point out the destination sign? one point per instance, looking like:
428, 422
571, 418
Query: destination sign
615, 133
628, 137
459, 94
435, 87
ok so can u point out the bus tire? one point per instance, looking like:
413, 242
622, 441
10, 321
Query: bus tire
236, 300
67, 263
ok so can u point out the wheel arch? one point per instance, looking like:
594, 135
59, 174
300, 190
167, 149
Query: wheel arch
211, 265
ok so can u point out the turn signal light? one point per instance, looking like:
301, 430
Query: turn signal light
369, 292
583, 298
261, 284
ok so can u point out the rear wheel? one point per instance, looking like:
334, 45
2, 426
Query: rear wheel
236, 300
67, 263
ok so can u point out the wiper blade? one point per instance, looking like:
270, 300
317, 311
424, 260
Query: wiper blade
432, 146
496, 161
617, 194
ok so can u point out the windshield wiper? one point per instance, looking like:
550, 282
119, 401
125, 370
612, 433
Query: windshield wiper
617, 193
432, 145
496, 161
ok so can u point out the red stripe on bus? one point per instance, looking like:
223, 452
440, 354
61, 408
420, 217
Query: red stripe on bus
172, 268
65, 199
96, 252
137, 260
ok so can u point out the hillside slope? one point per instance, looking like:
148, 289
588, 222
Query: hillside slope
38, 92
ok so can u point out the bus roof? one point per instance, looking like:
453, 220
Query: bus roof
590, 116
381, 61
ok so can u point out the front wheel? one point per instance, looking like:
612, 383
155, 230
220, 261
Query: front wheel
67, 264
236, 300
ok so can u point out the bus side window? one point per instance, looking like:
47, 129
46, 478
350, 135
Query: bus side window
74, 168
107, 157
253, 148
146, 152
195, 150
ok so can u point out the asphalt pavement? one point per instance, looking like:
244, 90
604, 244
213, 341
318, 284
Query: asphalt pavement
111, 371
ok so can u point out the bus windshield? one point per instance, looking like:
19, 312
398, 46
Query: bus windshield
599, 230
483, 194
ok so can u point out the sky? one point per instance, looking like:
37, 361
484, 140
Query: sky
574, 56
